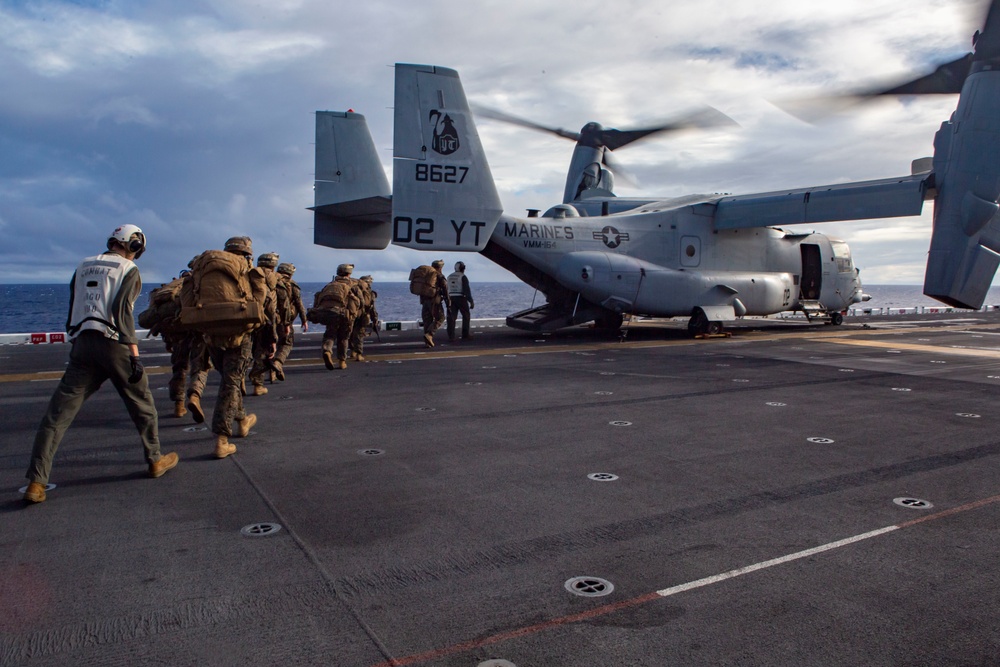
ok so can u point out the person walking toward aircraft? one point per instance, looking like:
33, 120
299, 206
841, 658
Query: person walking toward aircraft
367, 316
461, 301
336, 306
290, 307
103, 291
265, 339
432, 307
222, 302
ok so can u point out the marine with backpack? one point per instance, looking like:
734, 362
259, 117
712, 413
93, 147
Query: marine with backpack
218, 299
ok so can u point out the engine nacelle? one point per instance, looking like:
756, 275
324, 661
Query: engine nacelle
965, 244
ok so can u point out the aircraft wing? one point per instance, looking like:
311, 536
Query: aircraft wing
862, 200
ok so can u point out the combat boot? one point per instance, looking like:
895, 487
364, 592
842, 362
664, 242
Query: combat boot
279, 370
223, 448
358, 357
341, 364
328, 360
428, 340
259, 390
179, 409
244, 425
35, 493
166, 462
194, 405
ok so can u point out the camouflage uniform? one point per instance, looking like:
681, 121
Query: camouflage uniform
338, 332
293, 309
179, 347
265, 339
232, 365
230, 355
199, 364
367, 316
432, 308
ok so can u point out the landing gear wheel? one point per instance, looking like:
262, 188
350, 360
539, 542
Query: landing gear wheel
698, 324
713, 328
836, 319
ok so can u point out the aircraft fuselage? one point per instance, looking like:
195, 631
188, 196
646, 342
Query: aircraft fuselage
667, 262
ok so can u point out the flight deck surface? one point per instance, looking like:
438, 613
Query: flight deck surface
793, 495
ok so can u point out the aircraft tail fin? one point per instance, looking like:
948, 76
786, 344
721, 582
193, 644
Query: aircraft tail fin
353, 203
444, 197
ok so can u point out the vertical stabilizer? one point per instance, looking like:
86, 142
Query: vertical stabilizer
444, 197
352, 197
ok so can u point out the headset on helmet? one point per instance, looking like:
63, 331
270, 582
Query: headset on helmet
460, 267
129, 237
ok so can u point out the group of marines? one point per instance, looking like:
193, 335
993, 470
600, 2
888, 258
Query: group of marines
241, 325
260, 355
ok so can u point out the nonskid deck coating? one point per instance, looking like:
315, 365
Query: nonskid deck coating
452, 547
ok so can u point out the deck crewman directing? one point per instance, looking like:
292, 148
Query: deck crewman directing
460, 293
101, 325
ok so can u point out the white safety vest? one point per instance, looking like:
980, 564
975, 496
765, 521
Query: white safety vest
455, 284
98, 281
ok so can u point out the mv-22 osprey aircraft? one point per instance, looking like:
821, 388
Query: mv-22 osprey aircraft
710, 258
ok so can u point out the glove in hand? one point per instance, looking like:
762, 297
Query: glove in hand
137, 370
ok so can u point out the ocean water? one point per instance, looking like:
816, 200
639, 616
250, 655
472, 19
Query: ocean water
42, 308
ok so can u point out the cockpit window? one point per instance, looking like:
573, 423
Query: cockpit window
842, 255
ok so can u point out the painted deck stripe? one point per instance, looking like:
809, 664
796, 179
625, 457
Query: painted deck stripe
912, 347
603, 610
740, 571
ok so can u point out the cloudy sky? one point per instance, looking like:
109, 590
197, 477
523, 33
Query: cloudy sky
194, 118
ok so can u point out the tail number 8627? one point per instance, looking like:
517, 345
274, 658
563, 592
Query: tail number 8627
441, 173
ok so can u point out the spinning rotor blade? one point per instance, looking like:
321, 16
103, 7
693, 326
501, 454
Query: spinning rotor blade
493, 114
596, 136
703, 118
947, 79
616, 167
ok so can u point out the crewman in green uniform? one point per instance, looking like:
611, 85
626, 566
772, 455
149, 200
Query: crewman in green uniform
101, 325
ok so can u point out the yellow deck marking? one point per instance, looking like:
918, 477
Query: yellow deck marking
929, 349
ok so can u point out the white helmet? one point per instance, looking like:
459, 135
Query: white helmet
130, 237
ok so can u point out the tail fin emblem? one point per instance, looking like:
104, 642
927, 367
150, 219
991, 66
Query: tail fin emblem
445, 140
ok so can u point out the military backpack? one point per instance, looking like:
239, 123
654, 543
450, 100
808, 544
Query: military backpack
337, 299
162, 316
423, 281
217, 299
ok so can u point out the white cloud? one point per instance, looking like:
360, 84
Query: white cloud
194, 117
56, 39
